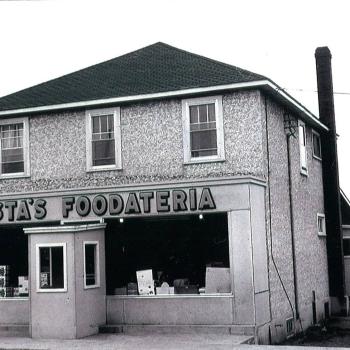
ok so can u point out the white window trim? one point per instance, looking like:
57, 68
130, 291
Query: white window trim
322, 234
313, 149
50, 245
26, 157
97, 265
303, 171
219, 129
117, 136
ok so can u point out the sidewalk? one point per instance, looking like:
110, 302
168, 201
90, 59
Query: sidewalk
130, 342
143, 342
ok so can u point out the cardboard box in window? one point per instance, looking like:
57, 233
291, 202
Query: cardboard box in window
217, 280
4, 270
145, 282
23, 285
132, 289
164, 289
120, 291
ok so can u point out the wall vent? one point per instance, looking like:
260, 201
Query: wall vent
290, 326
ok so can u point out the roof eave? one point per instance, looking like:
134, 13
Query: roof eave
267, 85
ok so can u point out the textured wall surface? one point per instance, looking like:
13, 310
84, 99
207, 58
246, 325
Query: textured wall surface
152, 146
307, 193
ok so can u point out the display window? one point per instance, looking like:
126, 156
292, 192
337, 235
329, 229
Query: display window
13, 263
184, 254
51, 267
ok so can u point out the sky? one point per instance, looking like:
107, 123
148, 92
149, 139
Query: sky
44, 39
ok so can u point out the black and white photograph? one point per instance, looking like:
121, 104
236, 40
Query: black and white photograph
174, 174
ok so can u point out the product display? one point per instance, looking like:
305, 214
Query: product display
4, 270
23, 285
145, 282
6, 292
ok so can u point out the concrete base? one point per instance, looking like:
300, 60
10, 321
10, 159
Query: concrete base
175, 329
14, 330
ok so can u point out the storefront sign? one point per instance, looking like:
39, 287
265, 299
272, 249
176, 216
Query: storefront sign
109, 205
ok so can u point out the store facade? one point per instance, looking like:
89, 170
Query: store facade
171, 209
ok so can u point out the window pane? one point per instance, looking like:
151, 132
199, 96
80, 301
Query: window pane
95, 124
110, 123
203, 140
202, 113
45, 278
104, 121
193, 114
90, 264
57, 267
103, 152
211, 112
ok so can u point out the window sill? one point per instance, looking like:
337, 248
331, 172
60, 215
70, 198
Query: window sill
104, 168
204, 160
13, 176
318, 158
64, 290
304, 173
322, 234
91, 287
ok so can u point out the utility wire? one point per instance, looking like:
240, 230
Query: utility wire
305, 90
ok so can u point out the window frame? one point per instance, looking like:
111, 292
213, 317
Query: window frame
303, 148
26, 158
321, 234
115, 111
316, 134
97, 264
51, 245
217, 100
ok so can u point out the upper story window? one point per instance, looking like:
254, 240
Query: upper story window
302, 148
14, 147
321, 224
203, 129
103, 139
316, 145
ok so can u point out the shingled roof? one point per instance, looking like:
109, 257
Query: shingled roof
152, 69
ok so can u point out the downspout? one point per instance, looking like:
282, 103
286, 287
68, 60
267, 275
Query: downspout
291, 209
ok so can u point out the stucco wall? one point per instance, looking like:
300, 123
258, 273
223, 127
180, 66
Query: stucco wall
152, 146
310, 249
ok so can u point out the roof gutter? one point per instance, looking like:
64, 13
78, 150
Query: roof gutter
265, 84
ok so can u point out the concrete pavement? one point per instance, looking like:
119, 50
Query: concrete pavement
142, 342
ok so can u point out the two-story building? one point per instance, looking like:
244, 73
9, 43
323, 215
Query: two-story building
162, 190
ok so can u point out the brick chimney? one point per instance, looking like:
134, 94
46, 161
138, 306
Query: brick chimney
330, 172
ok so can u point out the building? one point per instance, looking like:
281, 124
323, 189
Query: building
206, 174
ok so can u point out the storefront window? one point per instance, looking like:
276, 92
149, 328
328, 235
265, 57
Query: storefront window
91, 265
13, 263
51, 267
185, 254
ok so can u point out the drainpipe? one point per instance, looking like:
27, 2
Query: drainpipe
291, 210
